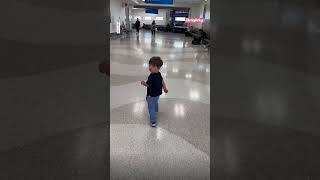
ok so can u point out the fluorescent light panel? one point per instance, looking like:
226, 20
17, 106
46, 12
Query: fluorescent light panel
147, 18
180, 19
159, 18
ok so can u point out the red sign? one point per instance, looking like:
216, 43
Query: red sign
194, 20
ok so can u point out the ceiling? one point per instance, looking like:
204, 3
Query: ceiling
70, 5
188, 1
176, 3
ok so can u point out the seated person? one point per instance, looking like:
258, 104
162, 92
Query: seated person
197, 39
189, 32
203, 34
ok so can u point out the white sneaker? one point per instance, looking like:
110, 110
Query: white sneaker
154, 124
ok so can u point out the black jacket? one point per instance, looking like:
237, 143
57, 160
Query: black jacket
137, 24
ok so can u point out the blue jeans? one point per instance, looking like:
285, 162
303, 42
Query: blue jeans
153, 108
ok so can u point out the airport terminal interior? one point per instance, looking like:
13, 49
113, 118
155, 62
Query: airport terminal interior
179, 147
54, 123
260, 121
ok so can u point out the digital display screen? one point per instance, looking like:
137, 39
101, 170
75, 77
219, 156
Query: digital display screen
194, 20
152, 11
180, 13
159, 1
180, 19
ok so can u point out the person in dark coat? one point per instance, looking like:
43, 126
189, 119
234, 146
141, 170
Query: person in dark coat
198, 39
153, 28
137, 25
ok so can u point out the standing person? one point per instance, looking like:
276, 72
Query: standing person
137, 25
154, 84
168, 27
153, 27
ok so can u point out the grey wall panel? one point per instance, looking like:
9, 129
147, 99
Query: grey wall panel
48, 103
49, 75
265, 106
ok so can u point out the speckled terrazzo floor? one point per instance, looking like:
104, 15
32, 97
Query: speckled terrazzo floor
179, 148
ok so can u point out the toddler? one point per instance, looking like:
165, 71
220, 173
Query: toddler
154, 84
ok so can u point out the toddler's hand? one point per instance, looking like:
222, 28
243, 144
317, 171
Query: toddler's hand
166, 90
144, 83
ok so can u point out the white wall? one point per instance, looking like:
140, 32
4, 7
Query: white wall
207, 10
167, 16
117, 13
141, 12
196, 11
206, 25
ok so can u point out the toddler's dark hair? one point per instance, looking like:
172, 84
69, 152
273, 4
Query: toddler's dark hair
156, 61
